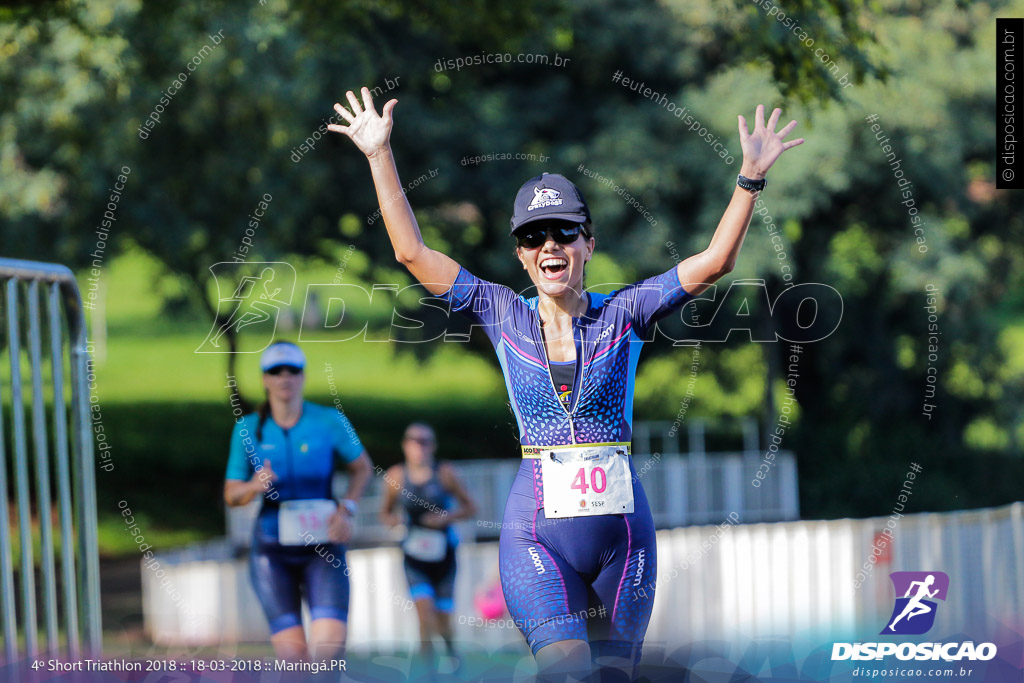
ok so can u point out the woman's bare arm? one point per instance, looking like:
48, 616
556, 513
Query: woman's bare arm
451, 481
371, 133
358, 475
761, 149
391, 487
237, 492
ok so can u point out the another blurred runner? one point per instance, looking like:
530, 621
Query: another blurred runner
286, 452
427, 491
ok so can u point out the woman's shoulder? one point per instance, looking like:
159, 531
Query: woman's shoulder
325, 417
320, 411
246, 421
447, 472
394, 476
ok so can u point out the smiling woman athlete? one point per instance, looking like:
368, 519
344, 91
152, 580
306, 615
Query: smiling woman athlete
578, 531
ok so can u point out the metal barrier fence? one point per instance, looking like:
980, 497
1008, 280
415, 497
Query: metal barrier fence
55, 385
725, 581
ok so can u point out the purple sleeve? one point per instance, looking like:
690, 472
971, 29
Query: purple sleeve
652, 299
485, 303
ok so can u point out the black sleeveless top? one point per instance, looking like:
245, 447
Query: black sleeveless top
420, 499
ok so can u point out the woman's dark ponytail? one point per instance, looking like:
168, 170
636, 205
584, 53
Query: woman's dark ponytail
588, 233
263, 412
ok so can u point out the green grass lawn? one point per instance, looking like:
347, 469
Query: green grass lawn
167, 369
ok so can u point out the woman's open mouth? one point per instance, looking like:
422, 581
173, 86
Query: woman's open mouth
553, 267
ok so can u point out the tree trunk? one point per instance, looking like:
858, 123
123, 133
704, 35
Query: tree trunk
200, 284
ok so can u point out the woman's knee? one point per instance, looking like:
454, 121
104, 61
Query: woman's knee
326, 638
321, 651
564, 657
289, 643
427, 614
444, 621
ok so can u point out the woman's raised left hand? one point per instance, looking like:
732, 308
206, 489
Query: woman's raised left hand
763, 146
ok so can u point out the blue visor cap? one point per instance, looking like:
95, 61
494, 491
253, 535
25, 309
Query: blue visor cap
282, 353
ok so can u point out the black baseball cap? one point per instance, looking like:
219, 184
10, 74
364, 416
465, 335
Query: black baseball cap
549, 196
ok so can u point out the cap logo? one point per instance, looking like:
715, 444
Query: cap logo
544, 196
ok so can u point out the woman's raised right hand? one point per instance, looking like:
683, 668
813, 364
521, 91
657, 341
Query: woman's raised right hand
369, 131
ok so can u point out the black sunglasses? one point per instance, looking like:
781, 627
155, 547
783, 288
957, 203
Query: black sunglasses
290, 369
563, 234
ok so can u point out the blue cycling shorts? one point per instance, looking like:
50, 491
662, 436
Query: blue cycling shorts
577, 578
432, 580
281, 574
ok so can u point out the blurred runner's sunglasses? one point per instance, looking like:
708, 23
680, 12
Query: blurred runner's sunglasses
290, 369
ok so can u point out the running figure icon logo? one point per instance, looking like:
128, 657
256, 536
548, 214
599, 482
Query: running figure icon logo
914, 613
249, 295
544, 197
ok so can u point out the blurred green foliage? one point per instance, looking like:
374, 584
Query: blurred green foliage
79, 79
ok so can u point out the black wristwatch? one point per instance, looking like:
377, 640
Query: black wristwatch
751, 185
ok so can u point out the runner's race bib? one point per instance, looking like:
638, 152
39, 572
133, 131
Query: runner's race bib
425, 545
299, 520
582, 481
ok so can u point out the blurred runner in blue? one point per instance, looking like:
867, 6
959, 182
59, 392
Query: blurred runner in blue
286, 453
428, 492
578, 534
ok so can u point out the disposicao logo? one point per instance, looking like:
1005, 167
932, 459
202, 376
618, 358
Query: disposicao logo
914, 614
916, 589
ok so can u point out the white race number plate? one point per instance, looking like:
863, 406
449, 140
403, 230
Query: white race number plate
426, 545
301, 522
585, 481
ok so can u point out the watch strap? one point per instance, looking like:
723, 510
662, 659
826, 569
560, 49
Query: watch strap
751, 185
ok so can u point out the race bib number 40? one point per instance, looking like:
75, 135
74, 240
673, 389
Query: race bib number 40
298, 520
585, 481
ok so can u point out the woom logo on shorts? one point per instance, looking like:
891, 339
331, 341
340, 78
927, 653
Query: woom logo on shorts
535, 556
639, 568
914, 614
